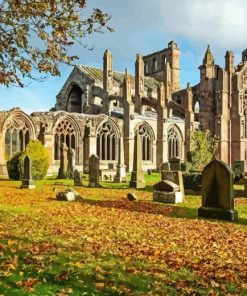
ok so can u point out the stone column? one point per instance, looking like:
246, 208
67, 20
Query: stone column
189, 119
162, 115
62, 172
121, 167
137, 175
128, 114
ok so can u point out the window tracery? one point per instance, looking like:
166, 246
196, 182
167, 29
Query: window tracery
107, 142
17, 136
174, 145
64, 133
146, 136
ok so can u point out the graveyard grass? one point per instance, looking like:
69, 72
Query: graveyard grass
109, 246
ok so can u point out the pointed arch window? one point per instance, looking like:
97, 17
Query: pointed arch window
174, 144
107, 142
64, 133
147, 142
17, 136
75, 99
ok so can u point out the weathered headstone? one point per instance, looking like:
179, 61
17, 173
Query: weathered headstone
168, 192
175, 164
27, 181
77, 178
217, 192
149, 172
94, 172
71, 163
137, 175
69, 195
62, 172
132, 197
238, 170
165, 167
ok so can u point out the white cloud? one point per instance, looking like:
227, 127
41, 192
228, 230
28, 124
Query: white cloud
143, 26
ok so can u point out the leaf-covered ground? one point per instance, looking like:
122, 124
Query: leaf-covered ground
109, 246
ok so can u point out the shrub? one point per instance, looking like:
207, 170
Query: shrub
192, 181
40, 159
204, 149
13, 166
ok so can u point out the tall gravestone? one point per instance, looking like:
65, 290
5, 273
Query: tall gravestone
71, 163
217, 192
27, 181
94, 172
137, 175
62, 172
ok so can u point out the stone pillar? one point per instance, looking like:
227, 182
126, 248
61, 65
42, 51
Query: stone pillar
121, 167
71, 163
168, 86
139, 82
107, 71
62, 172
137, 175
92, 145
162, 115
128, 114
189, 119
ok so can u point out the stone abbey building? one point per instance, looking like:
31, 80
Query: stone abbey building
99, 111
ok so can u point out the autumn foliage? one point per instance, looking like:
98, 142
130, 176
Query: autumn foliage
37, 35
107, 245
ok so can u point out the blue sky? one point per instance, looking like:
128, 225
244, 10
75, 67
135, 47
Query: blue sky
143, 26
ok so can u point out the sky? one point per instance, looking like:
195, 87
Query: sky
145, 26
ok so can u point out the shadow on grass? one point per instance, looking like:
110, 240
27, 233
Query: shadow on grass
153, 208
147, 207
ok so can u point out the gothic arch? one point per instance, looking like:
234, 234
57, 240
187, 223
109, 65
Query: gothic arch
147, 135
18, 130
66, 130
174, 140
74, 98
107, 140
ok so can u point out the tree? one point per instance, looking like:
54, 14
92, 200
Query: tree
204, 149
55, 25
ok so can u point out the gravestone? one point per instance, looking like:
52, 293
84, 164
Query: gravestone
217, 192
69, 195
77, 178
94, 171
137, 175
132, 197
27, 181
167, 192
238, 169
165, 167
245, 184
62, 172
169, 173
71, 163
175, 164
149, 172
